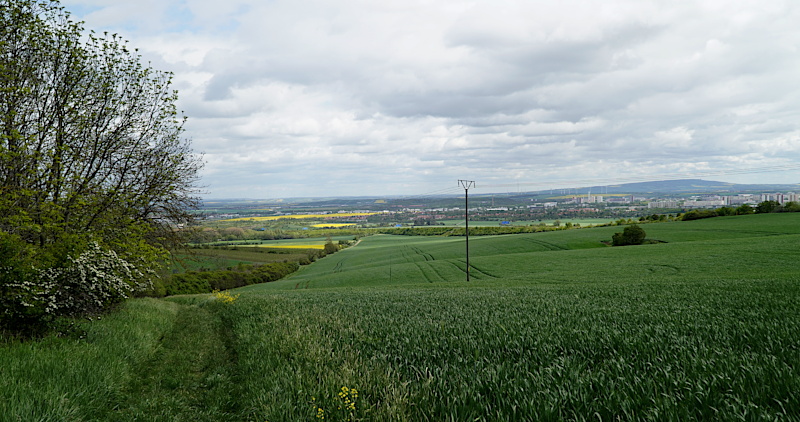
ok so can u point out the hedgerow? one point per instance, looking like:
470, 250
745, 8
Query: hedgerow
194, 282
461, 231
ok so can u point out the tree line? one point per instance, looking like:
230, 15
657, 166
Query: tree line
763, 207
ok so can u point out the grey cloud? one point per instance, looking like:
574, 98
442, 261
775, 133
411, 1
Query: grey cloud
399, 95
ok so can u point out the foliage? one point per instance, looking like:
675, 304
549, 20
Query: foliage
631, 235
767, 207
764, 207
193, 282
699, 214
791, 206
34, 292
725, 211
330, 247
93, 165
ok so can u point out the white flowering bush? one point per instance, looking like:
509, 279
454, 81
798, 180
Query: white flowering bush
87, 283
94, 280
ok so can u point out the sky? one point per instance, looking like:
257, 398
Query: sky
319, 98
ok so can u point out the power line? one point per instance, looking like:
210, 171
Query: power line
466, 184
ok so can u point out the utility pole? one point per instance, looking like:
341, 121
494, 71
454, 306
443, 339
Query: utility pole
466, 184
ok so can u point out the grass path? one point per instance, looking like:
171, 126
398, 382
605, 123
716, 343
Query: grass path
190, 376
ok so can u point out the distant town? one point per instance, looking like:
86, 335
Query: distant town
503, 209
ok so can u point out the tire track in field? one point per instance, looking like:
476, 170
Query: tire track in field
474, 271
547, 245
438, 273
338, 267
481, 272
190, 375
418, 251
551, 246
426, 274
657, 268
426, 255
404, 253
757, 232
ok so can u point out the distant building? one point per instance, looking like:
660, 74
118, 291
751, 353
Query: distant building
740, 199
704, 204
780, 198
663, 204
588, 199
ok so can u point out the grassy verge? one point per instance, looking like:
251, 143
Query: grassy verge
151, 360
79, 376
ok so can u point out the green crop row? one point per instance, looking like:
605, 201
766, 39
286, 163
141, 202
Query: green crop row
650, 350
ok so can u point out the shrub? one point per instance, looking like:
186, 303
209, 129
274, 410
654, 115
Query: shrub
23, 302
631, 235
330, 247
725, 211
37, 285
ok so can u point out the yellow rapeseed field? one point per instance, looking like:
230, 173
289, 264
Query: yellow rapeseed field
310, 246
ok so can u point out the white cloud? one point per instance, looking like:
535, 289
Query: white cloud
311, 97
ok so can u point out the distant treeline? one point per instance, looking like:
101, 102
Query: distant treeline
762, 208
194, 282
473, 231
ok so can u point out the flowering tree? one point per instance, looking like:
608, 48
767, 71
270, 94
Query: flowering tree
92, 158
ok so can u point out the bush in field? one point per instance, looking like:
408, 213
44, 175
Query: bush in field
631, 235
330, 247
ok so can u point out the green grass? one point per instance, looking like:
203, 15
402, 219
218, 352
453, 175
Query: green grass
75, 377
650, 351
553, 326
151, 360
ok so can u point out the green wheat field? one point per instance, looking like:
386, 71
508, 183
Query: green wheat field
702, 325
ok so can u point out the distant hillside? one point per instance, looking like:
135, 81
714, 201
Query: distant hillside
686, 186
678, 187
